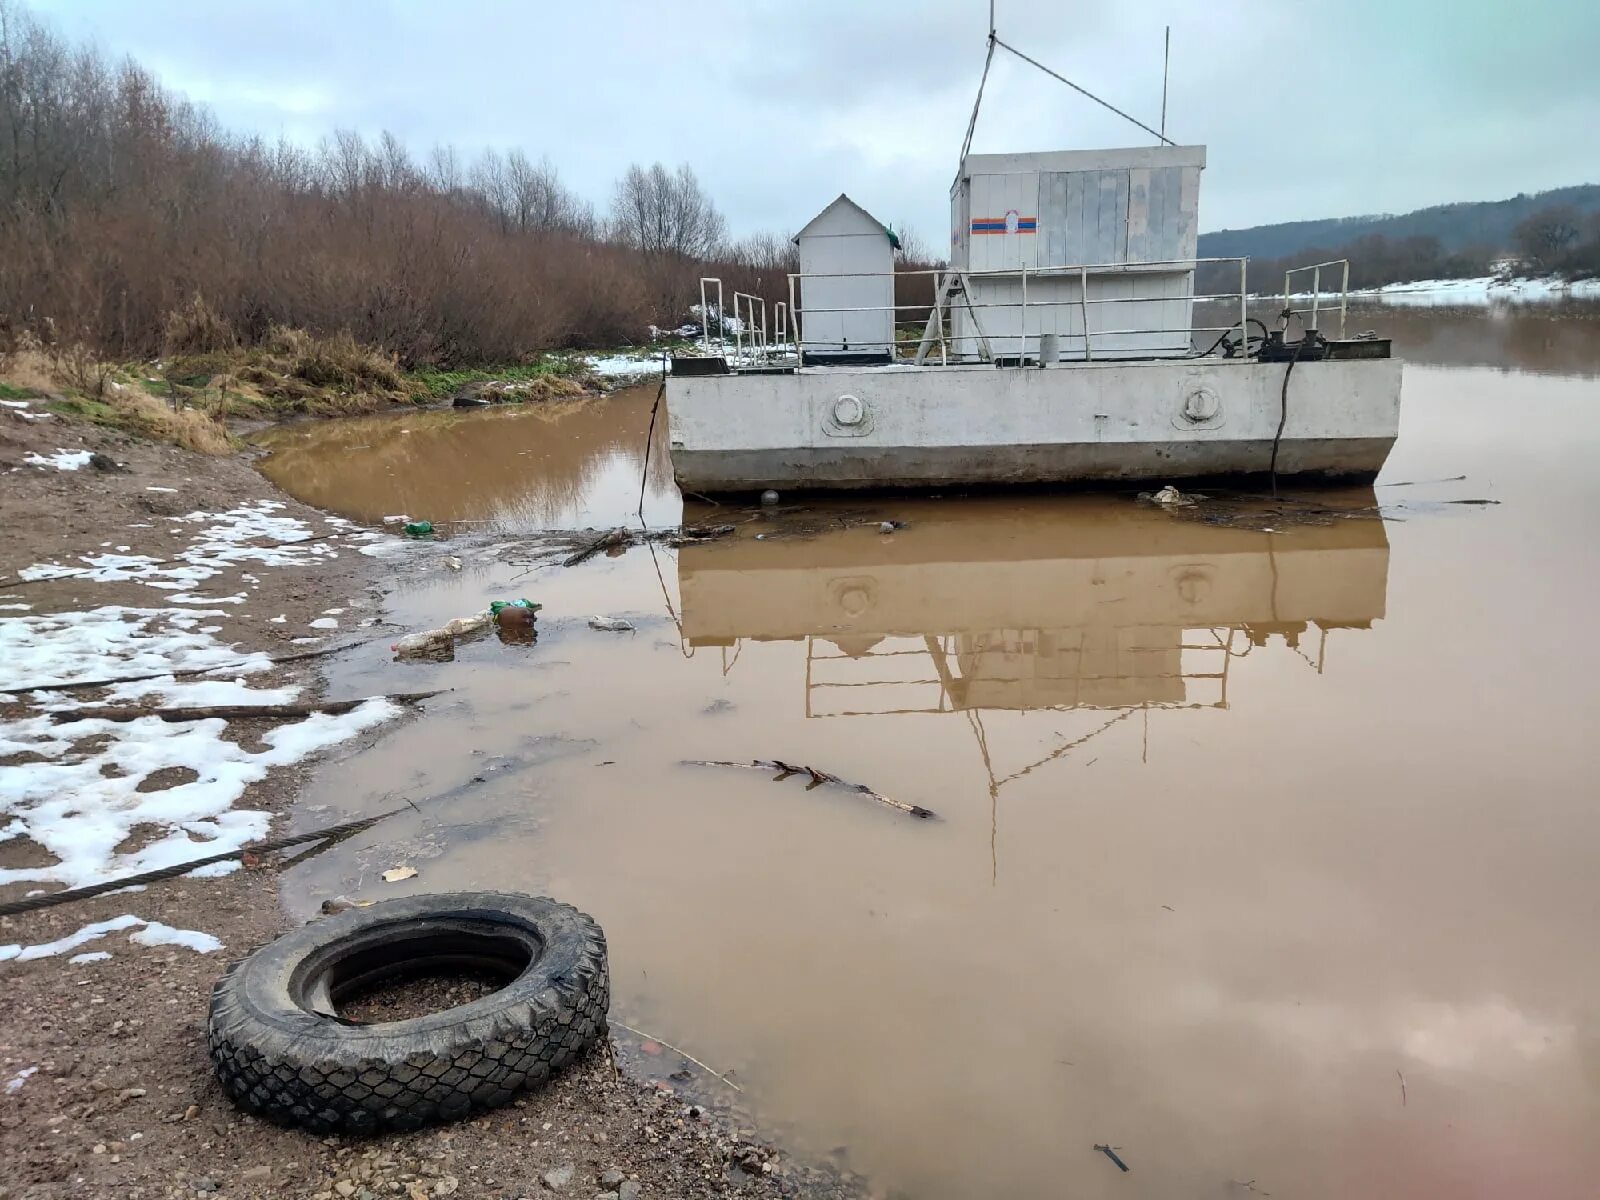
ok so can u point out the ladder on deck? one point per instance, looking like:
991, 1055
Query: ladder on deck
946, 288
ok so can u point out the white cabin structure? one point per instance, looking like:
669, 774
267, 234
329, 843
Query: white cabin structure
1032, 235
846, 286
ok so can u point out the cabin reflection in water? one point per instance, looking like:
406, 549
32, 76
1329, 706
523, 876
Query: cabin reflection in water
1015, 605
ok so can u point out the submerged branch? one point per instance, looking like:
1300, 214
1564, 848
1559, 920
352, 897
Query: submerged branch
818, 778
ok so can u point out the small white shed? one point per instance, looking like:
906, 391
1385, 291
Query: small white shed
847, 316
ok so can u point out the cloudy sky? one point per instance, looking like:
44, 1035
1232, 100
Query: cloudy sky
1308, 110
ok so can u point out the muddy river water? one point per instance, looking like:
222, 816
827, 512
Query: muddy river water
1267, 858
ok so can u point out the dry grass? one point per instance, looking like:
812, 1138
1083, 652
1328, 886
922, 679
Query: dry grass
197, 328
76, 384
191, 428
27, 370
537, 390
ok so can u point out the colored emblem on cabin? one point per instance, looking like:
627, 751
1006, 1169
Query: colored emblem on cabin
1012, 222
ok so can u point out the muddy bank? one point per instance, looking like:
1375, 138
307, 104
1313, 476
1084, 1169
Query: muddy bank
165, 558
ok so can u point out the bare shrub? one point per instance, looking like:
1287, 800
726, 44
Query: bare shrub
196, 328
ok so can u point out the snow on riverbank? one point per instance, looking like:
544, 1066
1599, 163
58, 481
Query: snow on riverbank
622, 366
147, 933
225, 540
81, 797
61, 460
103, 800
1488, 289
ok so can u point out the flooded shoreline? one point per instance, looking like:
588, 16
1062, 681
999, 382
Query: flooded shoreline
1237, 829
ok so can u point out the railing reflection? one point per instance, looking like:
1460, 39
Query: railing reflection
983, 606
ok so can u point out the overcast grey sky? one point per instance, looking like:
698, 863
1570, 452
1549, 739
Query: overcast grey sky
1309, 110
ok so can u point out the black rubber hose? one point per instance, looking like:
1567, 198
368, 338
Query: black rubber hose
1283, 414
1230, 329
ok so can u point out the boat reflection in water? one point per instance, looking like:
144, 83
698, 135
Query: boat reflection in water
1063, 603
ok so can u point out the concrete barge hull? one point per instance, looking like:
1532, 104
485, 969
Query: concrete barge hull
1086, 423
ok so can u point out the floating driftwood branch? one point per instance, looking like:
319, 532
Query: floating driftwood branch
818, 778
228, 712
621, 538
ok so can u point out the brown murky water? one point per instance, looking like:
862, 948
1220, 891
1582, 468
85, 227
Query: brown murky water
1265, 858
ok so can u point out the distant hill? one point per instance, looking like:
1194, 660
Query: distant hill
1484, 224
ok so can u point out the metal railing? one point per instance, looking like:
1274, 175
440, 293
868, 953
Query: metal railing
973, 671
1028, 337
954, 290
752, 343
1316, 270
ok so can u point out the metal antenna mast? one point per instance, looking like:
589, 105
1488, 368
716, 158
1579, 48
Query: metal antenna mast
988, 60
1166, 62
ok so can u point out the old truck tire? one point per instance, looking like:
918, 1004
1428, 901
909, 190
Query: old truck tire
282, 1052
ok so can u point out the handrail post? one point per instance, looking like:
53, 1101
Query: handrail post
794, 317
1316, 292
1344, 297
1244, 310
1022, 351
705, 319
1083, 306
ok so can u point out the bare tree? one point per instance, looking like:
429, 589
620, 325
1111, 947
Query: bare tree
662, 213
541, 200
911, 249
1548, 234
444, 170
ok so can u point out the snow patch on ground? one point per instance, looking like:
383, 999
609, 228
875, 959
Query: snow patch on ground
47, 648
61, 460
150, 933
225, 540
80, 799
168, 690
80, 814
325, 623
14, 1084
621, 366
155, 933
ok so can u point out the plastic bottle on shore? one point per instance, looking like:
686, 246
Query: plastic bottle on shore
417, 643
428, 639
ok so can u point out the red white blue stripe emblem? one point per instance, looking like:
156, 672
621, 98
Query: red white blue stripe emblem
1012, 222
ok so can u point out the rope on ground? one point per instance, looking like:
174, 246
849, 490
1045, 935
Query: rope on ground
32, 903
650, 1037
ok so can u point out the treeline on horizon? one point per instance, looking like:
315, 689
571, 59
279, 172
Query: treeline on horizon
1559, 239
123, 208
121, 203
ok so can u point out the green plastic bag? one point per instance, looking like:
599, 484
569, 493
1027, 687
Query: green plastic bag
418, 529
496, 605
